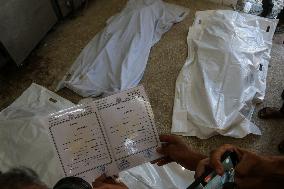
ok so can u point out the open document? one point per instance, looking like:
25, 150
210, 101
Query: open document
105, 136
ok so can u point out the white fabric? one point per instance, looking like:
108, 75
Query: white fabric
147, 176
221, 80
24, 139
115, 59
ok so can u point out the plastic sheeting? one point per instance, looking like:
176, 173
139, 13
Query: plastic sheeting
24, 139
224, 74
147, 176
255, 7
115, 59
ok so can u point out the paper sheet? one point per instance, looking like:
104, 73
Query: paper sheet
105, 136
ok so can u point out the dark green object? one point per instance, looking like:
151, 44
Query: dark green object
72, 183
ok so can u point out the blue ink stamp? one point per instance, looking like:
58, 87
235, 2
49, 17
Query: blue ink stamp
102, 169
123, 164
148, 153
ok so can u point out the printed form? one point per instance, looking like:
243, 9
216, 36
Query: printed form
105, 136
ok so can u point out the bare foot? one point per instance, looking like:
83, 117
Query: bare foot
270, 113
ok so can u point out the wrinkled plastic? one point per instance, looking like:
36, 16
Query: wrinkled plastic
24, 139
147, 176
115, 59
255, 7
224, 74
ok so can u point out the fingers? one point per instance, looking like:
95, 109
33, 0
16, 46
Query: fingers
249, 164
107, 186
103, 179
157, 160
162, 161
216, 156
164, 150
201, 167
170, 144
97, 184
170, 139
167, 152
154, 161
99, 181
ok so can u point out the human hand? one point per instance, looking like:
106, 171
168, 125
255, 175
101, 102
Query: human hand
252, 170
104, 182
175, 149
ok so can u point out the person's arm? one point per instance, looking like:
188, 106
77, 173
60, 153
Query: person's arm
267, 6
272, 168
175, 149
252, 171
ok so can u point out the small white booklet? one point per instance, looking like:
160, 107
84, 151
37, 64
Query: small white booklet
105, 136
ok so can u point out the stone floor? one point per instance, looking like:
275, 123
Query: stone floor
56, 53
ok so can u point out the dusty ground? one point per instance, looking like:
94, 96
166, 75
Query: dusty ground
50, 61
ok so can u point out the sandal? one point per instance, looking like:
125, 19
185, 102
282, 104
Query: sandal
270, 113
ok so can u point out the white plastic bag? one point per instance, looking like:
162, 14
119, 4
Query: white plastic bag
24, 139
255, 7
147, 176
224, 74
115, 59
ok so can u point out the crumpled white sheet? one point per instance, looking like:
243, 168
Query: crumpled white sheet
147, 176
224, 74
255, 7
24, 139
115, 59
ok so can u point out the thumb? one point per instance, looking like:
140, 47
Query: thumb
201, 167
216, 157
